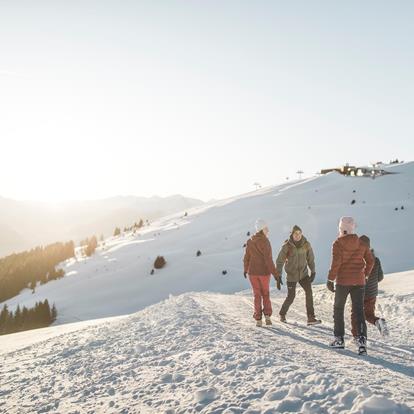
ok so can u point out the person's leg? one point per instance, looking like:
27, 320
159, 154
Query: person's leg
357, 297
291, 286
353, 323
307, 287
369, 306
255, 282
341, 293
264, 286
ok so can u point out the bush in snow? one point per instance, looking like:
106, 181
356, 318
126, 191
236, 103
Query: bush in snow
198, 253
117, 231
159, 262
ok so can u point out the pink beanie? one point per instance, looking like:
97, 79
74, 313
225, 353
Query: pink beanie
346, 225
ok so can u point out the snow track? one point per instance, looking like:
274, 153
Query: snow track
200, 352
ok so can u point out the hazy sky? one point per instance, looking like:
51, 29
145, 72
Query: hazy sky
203, 98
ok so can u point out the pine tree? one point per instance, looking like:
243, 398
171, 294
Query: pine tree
53, 313
4, 316
18, 319
25, 319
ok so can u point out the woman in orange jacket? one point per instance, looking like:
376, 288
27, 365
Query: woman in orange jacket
259, 265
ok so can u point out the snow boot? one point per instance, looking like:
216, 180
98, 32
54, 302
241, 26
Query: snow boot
382, 327
268, 320
313, 321
259, 323
283, 318
338, 343
362, 345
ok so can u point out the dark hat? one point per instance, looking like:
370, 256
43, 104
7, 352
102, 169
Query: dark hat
365, 239
296, 228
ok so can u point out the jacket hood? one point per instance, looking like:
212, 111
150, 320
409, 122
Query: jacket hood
349, 241
301, 243
258, 236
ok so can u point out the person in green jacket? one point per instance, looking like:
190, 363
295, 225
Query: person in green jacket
296, 256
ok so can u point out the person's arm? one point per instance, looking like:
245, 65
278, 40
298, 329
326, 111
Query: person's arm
380, 271
369, 262
281, 259
246, 259
310, 258
268, 257
336, 261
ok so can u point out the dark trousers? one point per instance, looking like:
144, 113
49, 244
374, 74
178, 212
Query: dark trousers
357, 297
307, 287
369, 309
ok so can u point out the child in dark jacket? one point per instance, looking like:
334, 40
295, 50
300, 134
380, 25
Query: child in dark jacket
371, 293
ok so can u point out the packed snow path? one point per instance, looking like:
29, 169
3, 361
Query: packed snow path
200, 352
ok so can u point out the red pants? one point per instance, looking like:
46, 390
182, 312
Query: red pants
369, 310
260, 285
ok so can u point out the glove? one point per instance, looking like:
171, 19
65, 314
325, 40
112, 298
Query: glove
279, 282
330, 285
245, 275
312, 277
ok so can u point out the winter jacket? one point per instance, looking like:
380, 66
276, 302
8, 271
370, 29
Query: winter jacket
371, 288
296, 258
258, 256
352, 261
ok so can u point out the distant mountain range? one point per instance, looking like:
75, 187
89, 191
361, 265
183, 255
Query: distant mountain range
26, 224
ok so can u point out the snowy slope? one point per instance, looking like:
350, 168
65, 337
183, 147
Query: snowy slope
200, 352
25, 224
117, 280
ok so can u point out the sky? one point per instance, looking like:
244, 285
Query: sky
202, 98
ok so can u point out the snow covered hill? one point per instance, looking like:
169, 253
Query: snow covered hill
117, 280
200, 352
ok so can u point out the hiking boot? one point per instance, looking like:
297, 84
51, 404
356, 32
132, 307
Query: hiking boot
382, 327
268, 320
259, 323
283, 318
338, 343
362, 345
313, 321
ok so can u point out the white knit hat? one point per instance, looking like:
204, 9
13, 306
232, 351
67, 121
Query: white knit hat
347, 225
260, 224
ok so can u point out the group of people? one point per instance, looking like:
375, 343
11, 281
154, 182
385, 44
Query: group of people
354, 271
